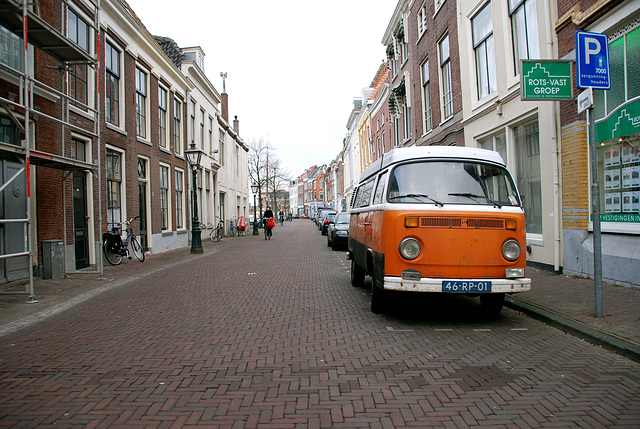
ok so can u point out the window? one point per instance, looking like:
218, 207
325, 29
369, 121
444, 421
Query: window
524, 30
141, 103
114, 186
112, 85
78, 149
497, 143
452, 182
9, 132
482, 28
528, 175
237, 161
77, 30
407, 117
445, 72
11, 53
78, 33
177, 125
162, 116
210, 133
422, 19
202, 128
363, 195
624, 65
426, 97
378, 197
192, 122
179, 199
164, 196
221, 148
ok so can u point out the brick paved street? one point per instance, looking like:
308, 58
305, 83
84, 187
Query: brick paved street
270, 334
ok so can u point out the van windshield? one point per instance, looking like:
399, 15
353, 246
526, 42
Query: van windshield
452, 182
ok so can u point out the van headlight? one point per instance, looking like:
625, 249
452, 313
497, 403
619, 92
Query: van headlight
409, 248
511, 250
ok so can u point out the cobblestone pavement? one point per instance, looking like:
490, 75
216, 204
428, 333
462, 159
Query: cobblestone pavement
270, 334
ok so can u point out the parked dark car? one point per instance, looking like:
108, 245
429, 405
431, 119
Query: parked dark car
324, 224
338, 231
321, 213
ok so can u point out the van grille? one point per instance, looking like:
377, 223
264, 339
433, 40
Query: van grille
450, 222
486, 223
453, 222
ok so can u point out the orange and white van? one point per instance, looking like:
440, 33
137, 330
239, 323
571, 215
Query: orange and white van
438, 219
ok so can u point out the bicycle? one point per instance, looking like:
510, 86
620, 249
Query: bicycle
217, 232
114, 248
233, 230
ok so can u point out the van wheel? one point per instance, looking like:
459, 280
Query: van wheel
491, 303
357, 274
378, 296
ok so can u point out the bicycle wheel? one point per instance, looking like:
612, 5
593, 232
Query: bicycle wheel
232, 231
110, 254
137, 249
218, 234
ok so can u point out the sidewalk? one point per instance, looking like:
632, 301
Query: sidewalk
564, 302
568, 303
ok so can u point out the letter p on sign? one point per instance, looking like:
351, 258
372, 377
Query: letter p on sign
592, 47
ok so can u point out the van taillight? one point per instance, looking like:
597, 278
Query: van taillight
411, 222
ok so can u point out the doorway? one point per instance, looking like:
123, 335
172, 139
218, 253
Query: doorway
80, 221
142, 203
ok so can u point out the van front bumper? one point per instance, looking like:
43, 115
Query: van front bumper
427, 284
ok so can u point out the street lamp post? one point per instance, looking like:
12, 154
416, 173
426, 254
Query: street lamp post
193, 156
254, 189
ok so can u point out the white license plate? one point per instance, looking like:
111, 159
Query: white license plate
466, 286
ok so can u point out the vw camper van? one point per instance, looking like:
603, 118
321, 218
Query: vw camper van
438, 219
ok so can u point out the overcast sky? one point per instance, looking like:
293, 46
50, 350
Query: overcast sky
293, 66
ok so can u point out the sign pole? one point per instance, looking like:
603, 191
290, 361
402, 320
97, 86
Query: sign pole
597, 236
592, 57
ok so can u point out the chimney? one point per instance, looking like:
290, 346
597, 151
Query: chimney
236, 125
225, 106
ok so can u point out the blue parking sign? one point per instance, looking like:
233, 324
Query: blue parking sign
592, 57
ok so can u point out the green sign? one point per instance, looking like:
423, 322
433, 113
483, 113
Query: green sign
546, 80
623, 121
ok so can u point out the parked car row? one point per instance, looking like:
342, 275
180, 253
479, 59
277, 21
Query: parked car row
334, 225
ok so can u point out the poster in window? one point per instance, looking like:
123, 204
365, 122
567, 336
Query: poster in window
630, 153
612, 202
612, 156
631, 202
612, 179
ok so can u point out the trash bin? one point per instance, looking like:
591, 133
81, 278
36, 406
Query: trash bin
52, 259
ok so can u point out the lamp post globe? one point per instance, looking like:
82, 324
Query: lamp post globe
193, 157
254, 189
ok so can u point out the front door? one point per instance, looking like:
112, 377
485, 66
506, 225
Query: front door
80, 220
142, 203
13, 205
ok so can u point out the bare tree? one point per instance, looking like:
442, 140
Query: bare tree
258, 153
278, 178
265, 170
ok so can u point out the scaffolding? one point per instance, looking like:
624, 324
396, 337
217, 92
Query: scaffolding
23, 19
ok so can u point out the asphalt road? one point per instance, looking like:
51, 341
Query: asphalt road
271, 334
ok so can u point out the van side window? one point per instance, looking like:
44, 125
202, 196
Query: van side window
364, 194
378, 197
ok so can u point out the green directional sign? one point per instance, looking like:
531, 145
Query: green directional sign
546, 80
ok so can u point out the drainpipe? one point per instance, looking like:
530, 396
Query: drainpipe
557, 151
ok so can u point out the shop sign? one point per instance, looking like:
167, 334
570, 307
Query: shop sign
546, 80
623, 121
